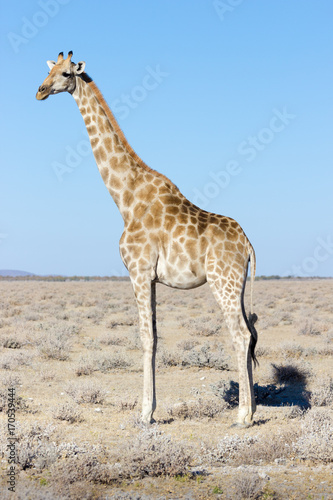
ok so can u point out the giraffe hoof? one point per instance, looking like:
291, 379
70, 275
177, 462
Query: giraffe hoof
148, 421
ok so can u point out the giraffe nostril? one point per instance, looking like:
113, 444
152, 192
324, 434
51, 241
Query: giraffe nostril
41, 88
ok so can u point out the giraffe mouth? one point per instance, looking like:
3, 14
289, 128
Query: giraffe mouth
41, 97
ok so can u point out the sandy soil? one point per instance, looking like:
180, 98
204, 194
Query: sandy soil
57, 337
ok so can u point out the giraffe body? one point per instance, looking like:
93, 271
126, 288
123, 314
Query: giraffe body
166, 238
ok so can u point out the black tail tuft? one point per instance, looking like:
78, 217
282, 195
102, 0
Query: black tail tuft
254, 336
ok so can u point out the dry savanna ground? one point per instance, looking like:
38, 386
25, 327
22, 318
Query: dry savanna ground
71, 351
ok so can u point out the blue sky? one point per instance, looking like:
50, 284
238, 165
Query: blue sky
232, 100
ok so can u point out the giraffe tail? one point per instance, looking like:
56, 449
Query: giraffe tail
252, 316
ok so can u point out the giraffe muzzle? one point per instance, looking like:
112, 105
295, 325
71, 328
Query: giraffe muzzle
42, 93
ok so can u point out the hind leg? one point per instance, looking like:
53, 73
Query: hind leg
228, 292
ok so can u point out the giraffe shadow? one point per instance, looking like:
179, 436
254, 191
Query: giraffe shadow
280, 394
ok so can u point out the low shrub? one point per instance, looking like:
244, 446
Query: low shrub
86, 392
209, 356
322, 394
68, 412
198, 409
290, 373
316, 439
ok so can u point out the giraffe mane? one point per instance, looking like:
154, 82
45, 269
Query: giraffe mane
119, 132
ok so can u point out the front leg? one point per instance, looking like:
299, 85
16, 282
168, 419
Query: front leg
145, 293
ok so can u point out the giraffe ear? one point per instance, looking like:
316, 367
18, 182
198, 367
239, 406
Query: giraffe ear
79, 67
51, 64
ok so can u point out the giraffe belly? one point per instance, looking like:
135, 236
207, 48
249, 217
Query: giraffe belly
180, 274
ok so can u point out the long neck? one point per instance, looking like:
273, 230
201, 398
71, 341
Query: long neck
121, 169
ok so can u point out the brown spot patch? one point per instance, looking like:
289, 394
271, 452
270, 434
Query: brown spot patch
127, 197
232, 234
147, 251
147, 192
108, 144
203, 245
148, 221
94, 142
157, 222
97, 155
156, 208
93, 105
239, 258
115, 164
203, 216
101, 152
230, 246
164, 189
142, 263
240, 247
214, 219
192, 232
134, 226
149, 178
101, 124
170, 222
172, 209
176, 247
140, 237
182, 218
87, 120
242, 238
139, 210
116, 183
201, 227
179, 230
92, 129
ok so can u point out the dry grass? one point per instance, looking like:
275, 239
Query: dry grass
73, 353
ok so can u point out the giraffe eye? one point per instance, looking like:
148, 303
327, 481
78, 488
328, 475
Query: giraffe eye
66, 75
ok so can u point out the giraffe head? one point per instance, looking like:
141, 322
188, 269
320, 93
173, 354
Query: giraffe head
61, 77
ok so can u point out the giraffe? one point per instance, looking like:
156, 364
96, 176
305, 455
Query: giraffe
166, 238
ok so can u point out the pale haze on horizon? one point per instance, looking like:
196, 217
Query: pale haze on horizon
230, 100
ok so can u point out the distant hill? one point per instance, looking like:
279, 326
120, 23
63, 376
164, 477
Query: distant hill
14, 273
